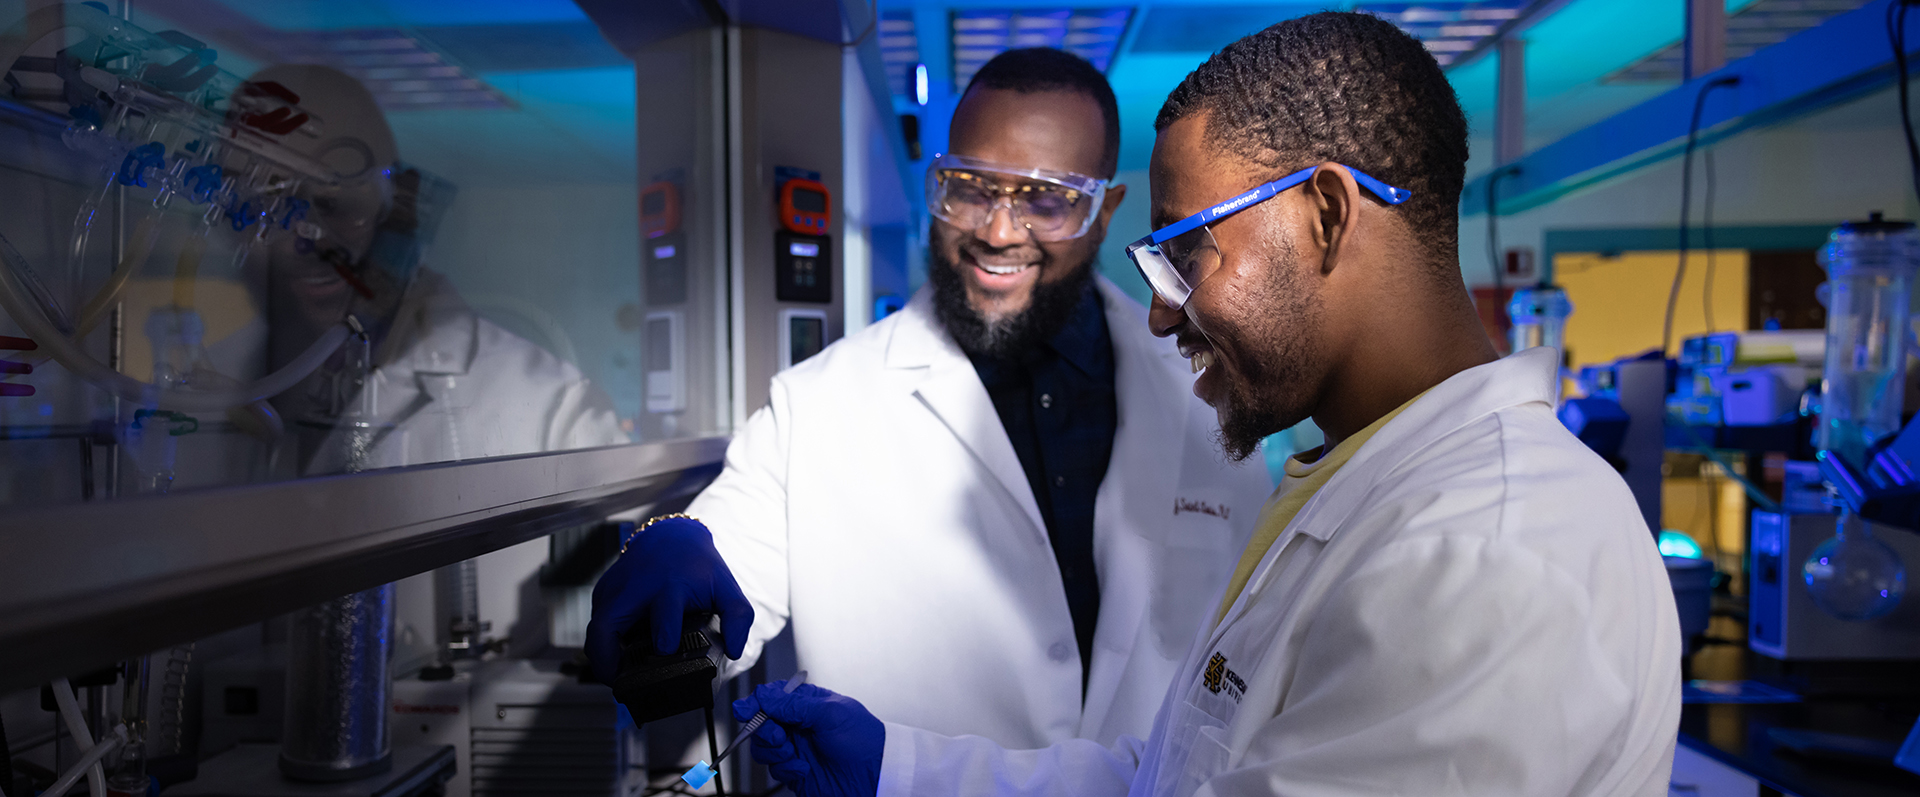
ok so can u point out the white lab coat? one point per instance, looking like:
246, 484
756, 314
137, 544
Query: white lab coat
877, 504
454, 386
1471, 606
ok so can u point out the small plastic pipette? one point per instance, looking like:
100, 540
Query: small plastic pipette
703, 771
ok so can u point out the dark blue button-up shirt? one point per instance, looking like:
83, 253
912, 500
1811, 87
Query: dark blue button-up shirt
1058, 405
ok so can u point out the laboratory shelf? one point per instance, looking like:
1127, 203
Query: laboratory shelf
87, 584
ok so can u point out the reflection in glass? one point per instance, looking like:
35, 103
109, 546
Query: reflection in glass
259, 243
425, 378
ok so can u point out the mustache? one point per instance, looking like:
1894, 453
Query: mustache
979, 249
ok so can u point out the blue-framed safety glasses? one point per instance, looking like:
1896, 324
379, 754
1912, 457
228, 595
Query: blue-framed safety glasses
1170, 256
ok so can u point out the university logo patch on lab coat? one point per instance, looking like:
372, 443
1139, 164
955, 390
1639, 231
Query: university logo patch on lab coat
1217, 677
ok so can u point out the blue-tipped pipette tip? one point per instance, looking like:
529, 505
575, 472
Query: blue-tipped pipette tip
698, 775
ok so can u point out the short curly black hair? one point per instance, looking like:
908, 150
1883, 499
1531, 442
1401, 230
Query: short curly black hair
1344, 87
1031, 69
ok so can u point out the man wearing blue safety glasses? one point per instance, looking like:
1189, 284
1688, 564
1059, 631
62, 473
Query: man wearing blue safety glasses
995, 513
1454, 596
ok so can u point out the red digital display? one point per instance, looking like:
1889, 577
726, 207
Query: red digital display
805, 207
659, 209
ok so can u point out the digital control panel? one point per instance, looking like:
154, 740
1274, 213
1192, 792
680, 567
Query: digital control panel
803, 268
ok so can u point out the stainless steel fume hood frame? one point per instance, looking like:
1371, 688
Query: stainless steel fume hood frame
82, 586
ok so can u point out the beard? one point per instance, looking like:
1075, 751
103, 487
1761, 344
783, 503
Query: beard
1274, 353
1005, 337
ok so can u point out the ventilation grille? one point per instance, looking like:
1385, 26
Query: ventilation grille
547, 761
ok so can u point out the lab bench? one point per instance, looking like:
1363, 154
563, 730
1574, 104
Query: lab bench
1748, 740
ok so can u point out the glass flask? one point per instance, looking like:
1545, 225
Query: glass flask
1870, 269
1854, 576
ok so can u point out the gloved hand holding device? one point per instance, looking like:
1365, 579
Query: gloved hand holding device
666, 569
820, 743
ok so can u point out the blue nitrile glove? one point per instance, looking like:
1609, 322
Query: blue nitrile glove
668, 570
820, 743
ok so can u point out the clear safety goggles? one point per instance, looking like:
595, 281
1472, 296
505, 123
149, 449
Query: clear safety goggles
1169, 257
1052, 205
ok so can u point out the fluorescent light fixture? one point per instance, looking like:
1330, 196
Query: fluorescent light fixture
920, 83
900, 51
979, 34
402, 72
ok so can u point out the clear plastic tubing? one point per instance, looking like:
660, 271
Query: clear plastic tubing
77, 727
1870, 266
19, 304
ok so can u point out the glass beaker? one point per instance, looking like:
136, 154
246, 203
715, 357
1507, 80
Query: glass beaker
1539, 317
1870, 267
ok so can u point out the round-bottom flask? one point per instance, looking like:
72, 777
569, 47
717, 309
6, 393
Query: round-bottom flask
1854, 576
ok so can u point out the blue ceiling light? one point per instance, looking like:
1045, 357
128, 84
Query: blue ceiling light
920, 83
1169, 28
900, 51
1095, 34
1449, 29
981, 34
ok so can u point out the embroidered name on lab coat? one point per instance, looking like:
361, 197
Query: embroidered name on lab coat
1188, 505
1217, 677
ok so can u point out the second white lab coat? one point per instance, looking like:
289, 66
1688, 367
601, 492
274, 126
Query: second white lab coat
877, 504
1470, 606
453, 386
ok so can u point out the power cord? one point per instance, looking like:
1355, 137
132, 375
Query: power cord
1897, 37
713, 746
1706, 233
1493, 240
1686, 202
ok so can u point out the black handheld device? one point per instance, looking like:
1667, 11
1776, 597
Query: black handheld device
654, 686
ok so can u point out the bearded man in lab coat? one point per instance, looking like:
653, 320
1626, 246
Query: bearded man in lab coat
995, 513
1454, 596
